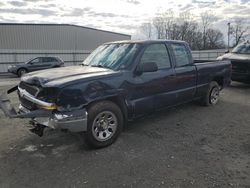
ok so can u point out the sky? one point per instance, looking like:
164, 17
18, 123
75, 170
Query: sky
124, 16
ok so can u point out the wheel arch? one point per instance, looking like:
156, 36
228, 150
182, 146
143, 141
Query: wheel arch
219, 80
118, 100
21, 68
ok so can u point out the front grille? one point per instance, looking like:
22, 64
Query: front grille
240, 67
27, 104
33, 90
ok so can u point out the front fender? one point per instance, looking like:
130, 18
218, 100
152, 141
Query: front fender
79, 96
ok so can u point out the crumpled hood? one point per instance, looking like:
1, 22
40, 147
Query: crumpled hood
233, 56
65, 75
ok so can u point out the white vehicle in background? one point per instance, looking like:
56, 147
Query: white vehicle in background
240, 59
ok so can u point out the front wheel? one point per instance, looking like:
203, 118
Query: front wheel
105, 123
212, 96
21, 72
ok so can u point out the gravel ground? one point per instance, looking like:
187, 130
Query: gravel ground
186, 146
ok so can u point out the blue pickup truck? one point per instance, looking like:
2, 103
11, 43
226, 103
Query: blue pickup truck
118, 82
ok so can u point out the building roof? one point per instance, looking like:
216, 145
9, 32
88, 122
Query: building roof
72, 25
146, 41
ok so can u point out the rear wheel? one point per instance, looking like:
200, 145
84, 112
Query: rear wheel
21, 72
212, 96
105, 123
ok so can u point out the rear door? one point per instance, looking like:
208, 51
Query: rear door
185, 72
48, 62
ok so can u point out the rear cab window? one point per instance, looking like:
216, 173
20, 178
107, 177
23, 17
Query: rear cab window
181, 54
158, 54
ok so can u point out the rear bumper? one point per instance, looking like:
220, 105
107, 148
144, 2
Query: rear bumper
74, 121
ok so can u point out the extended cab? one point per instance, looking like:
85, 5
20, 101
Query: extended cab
119, 81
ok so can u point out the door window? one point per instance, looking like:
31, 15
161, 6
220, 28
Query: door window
35, 61
157, 53
181, 54
49, 59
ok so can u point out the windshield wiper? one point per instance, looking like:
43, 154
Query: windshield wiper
101, 66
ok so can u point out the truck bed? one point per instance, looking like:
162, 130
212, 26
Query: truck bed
219, 71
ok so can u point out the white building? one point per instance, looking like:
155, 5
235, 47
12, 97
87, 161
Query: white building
20, 42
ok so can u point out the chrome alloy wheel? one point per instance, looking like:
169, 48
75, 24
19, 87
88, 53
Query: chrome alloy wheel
104, 126
214, 96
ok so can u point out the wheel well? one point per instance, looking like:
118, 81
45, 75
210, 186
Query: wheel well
118, 101
22, 68
219, 80
17, 72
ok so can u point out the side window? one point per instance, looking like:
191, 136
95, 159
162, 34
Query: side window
47, 59
181, 54
52, 59
35, 61
156, 53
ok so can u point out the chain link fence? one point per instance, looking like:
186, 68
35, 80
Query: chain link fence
8, 57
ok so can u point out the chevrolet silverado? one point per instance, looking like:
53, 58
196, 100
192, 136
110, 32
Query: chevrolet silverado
117, 82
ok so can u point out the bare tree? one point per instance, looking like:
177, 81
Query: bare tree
187, 25
196, 42
147, 29
215, 39
158, 23
163, 24
183, 27
168, 22
239, 31
207, 19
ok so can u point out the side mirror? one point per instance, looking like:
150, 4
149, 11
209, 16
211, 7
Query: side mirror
147, 67
226, 51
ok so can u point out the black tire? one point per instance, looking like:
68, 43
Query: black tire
21, 72
208, 99
98, 124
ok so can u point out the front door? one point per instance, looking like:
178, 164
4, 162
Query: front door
154, 89
35, 64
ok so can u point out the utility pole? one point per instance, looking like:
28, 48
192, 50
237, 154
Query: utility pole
228, 35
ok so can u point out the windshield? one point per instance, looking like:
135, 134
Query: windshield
242, 49
112, 56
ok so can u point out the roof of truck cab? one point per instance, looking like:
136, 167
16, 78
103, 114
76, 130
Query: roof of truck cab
145, 41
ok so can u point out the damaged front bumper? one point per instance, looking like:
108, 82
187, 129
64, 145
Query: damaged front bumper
74, 121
